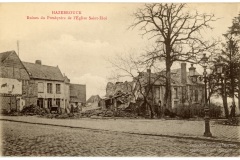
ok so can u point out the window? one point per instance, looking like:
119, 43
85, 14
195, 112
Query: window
184, 94
157, 94
196, 95
58, 88
24, 82
175, 93
191, 94
49, 103
40, 102
49, 88
58, 102
40, 87
175, 103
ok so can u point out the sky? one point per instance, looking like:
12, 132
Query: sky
81, 48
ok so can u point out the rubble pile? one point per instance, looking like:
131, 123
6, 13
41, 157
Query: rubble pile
34, 110
107, 113
95, 112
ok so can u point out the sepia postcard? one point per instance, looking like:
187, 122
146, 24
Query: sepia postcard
120, 79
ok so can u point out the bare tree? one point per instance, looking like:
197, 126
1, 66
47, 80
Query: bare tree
176, 33
128, 65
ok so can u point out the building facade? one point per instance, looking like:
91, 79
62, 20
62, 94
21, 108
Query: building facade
52, 86
185, 89
17, 89
25, 84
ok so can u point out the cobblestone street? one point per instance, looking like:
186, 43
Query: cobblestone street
20, 139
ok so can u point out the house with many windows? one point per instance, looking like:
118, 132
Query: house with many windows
52, 86
186, 89
25, 84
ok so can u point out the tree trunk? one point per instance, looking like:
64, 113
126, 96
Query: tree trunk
225, 105
151, 111
168, 92
224, 98
148, 108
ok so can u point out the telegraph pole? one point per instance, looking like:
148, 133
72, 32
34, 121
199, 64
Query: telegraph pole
18, 47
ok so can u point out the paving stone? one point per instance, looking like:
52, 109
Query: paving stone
62, 141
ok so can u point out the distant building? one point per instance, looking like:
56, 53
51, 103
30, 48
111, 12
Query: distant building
17, 90
93, 99
185, 88
77, 94
52, 86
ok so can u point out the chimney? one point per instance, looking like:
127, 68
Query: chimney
183, 73
38, 62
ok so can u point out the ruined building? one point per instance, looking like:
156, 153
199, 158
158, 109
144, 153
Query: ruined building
185, 89
17, 89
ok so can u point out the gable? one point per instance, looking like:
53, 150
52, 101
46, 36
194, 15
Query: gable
11, 66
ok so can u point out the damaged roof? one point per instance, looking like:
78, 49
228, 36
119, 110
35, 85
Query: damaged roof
125, 87
38, 71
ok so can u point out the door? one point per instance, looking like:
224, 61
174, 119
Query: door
13, 103
49, 103
58, 102
40, 102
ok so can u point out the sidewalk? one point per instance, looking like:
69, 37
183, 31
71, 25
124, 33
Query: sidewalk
169, 128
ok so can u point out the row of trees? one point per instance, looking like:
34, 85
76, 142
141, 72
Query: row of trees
178, 37
230, 58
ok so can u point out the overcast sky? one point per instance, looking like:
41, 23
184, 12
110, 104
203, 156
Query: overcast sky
80, 48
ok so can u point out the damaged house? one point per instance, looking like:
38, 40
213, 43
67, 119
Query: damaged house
119, 95
148, 89
17, 89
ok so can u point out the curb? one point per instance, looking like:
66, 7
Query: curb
148, 134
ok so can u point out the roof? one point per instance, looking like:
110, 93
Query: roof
158, 78
176, 76
66, 79
44, 72
93, 99
4, 55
